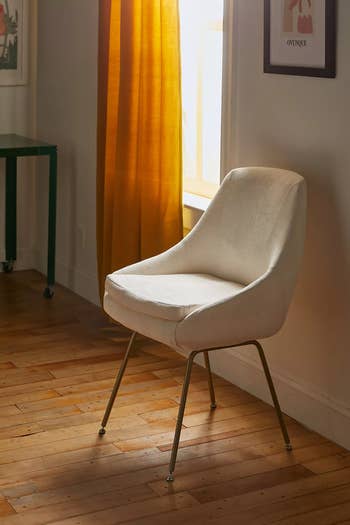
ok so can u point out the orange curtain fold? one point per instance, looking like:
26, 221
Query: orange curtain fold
139, 167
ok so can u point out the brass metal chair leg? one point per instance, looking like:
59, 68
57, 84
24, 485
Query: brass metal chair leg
273, 395
184, 393
210, 381
180, 415
117, 385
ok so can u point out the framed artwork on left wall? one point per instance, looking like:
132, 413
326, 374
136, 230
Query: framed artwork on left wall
13, 42
300, 37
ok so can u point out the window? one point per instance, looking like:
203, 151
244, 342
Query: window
201, 25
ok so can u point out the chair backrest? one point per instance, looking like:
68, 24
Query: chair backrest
255, 222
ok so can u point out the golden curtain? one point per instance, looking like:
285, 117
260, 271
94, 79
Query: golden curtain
139, 171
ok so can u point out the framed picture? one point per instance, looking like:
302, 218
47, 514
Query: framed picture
13, 42
300, 37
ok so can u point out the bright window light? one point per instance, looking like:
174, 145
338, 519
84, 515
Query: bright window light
201, 23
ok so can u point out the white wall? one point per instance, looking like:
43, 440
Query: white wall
67, 98
18, 115
302, 124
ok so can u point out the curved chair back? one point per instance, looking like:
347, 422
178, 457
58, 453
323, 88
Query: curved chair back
255, 222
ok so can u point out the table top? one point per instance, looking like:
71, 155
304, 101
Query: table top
18, 145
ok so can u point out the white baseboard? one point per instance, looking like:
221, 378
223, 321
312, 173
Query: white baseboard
25, 259
302, 402
75, 279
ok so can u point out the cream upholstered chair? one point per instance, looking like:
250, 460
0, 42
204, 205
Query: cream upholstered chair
227, 284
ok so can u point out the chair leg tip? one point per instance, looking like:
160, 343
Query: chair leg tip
170, 477
213, 406
102, 431
289, 447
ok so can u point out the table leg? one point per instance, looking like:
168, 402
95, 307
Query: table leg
48, 292
11, 213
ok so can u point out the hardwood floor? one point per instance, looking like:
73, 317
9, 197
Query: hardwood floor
58, 361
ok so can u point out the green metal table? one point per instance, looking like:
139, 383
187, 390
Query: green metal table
11, 147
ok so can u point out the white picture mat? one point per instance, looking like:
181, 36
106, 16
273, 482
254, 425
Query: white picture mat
312, 54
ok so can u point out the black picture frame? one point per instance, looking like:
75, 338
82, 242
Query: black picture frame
329, 71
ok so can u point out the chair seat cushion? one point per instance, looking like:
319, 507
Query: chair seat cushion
170, 297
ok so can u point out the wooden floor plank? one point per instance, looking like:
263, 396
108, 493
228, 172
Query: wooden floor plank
102, 395
136, 468
58, 363
30, 417
128, 513
263, 507
79, 506
6, 365
55, 464
68, 432
326, 516
81, 379
320, 465
250, 483
6, 509
10, 410
16, 376
28, 398
243, 469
